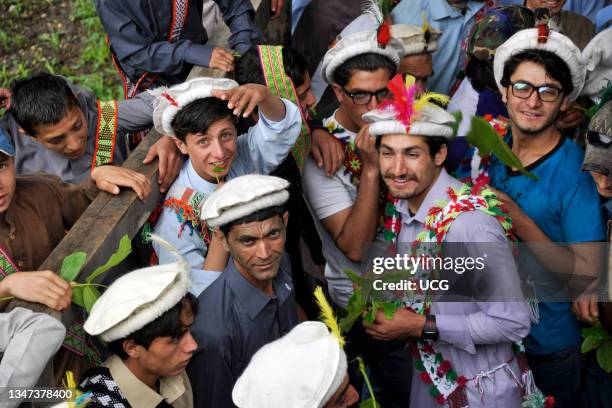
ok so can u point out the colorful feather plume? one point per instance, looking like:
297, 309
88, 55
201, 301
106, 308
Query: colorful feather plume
327, 315
403, 98
381, 11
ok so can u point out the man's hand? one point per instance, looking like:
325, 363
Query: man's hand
5, 98
170, 161
276, 6
243, 99
571, 117
221, 59
110, 178
39, 287
366, 143
512, 208
585, 308
327, 151
404, 324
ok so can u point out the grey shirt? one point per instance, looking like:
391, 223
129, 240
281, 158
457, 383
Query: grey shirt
236, 319
31, 156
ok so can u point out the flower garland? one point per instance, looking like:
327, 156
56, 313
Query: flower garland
445, 383
389, 219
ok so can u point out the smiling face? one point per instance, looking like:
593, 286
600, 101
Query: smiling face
168, 356
407, 167
7, 181
532, 115
257, 248
211, 153
68, 137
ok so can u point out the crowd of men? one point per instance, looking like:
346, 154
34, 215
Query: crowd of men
265, 199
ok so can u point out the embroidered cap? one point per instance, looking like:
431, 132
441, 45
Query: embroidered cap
6, 146
407, 114
169, 101
139, 297
302, 369
598, 154
242, 196
536, 39
351, 46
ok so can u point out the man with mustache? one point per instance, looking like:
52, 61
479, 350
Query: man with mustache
252, 303
345, 204
463, 350
539, 74
201, 116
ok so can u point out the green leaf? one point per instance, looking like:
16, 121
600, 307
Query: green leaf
125, 247
604, 355
354, 277
355, 308
389, 309
483, 136
370, 316
90, 295
590, 343
77, 296
595, 331
71, 266
218, 169
455, 126
369, 403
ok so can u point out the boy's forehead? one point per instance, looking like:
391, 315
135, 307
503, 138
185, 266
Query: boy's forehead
255, 227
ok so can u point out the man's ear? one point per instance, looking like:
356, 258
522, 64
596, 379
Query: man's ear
219, 235
182, 146
565, 104
131, 348
285, 217
504, 95
338, 91
441, 155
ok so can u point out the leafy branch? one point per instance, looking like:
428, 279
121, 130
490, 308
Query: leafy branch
596, 338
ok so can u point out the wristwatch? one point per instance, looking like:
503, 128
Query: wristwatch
430, 330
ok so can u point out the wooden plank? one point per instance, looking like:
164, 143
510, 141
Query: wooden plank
105, 221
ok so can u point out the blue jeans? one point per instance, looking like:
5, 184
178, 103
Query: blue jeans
559, 374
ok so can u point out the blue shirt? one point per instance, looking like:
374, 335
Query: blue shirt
563, 203
235, 321
455, 27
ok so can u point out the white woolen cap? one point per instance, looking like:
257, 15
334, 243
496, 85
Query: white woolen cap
351, 46
557, 43
431, 121
139, 297
411, 40
169, 101
598, 58
302, 369
242, 196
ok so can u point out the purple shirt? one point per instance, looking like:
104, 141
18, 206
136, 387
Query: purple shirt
476, 337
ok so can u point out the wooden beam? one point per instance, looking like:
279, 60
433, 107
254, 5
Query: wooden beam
105, 221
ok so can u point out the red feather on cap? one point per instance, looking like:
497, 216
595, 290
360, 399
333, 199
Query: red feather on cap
384, 33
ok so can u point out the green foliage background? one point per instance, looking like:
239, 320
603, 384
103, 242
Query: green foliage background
62, 37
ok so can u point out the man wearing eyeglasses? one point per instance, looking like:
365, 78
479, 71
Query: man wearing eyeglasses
346, 216
539, 73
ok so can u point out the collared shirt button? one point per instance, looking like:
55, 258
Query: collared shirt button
288, 286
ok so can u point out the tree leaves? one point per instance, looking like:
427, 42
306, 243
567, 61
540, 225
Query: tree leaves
597, 338
604, 355
90, 295
71, 266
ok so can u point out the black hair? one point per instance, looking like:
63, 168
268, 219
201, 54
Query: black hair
248, 67
199, 115
554, 66
480, 74
42, 99
260, 215
369, 62
167, 325
4, 157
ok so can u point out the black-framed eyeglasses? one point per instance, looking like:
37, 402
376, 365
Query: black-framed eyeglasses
546, 93
364, 97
